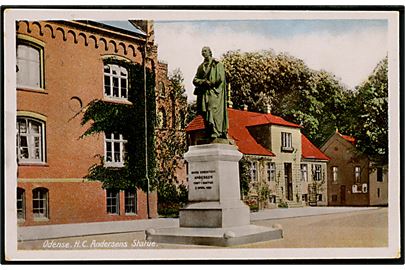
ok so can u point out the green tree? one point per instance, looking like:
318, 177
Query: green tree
312, 98
369, 113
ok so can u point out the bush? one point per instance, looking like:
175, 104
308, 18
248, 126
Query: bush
282, 205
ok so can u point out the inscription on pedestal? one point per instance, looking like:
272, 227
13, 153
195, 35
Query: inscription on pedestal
203, 184
203, 179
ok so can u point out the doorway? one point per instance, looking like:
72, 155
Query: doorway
288, 181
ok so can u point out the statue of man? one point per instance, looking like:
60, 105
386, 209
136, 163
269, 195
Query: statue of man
210, 88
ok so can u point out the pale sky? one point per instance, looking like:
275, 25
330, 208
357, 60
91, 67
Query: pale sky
350, 49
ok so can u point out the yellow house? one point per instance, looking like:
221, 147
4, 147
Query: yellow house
286, 169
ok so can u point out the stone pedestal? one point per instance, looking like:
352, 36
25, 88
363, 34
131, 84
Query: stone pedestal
215, 214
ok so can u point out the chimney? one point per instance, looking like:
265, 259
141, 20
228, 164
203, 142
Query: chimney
268, 108
245, 107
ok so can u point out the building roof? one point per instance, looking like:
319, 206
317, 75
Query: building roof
310, 151
240, 120
121, 26
350, 139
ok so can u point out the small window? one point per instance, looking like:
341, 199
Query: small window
113, 201
29, 66
271, 171
115, 82
161, 89
272, 199
357, 174
286, 141
40, 207
115, 151
334, 174
161, 119
319, 197
253, 171
317, 172
20, 203
380, 174
30, 140
173, 104
130, 202
304, 197
304, 172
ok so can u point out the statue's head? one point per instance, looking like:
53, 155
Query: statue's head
206, 51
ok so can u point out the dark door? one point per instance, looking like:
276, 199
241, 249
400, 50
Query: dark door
288, 181
343, 195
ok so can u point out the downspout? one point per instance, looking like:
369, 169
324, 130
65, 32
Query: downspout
146, 122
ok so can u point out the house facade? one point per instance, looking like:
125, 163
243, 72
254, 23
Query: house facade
352, 179
286, 169
61, 67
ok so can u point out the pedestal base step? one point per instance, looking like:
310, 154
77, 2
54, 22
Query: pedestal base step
215, 236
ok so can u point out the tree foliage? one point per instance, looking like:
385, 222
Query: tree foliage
369, 115
311, 98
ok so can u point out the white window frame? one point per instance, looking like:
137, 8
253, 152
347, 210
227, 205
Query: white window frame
21, 202
121, 75
357, 174
130, 200
253, 171
112, 201
31, 137
304, 172
317, 172
27, 63
286, 141
271, 171
335, 174
41, 196
114, 162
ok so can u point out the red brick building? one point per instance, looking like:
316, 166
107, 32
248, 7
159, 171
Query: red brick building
60, 69
352, 180
285, 167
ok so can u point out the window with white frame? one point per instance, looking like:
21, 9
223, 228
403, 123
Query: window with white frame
271, 171
317, 172
304, 172
357, 174
40, 206
115, 151
130, 201
113, 201
286, 141
253, 171
29, 65
335, 171
20, 203
30, 140
115, 81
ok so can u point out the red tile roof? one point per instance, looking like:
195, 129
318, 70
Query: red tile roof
240, 120
350, 139
311, 151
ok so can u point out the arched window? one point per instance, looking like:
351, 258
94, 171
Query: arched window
20, 203
161, 89
173, 105
161, 119
115, 81
30, 140
29, 65
40, 203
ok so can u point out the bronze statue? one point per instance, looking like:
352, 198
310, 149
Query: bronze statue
210, 88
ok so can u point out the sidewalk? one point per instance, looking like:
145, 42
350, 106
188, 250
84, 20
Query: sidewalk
94, 228
279, 213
